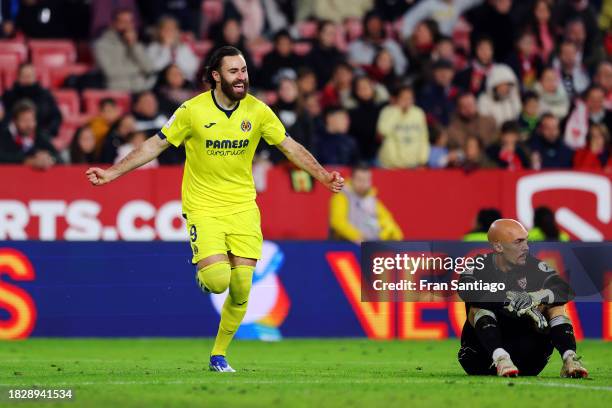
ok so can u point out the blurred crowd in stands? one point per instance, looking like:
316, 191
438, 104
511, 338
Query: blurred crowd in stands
401, 84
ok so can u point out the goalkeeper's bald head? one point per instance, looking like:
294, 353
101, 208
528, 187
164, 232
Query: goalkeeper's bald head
505, 230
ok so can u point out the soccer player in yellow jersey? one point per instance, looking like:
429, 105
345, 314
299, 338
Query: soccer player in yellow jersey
220, 130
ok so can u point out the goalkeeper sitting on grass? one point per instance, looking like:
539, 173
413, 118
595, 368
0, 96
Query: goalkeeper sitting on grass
512, 332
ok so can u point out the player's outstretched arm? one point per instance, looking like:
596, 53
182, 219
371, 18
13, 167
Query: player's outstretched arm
149, 150
306, 161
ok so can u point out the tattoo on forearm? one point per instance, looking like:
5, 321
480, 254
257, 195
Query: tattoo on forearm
136, 158
306, 161
129, 162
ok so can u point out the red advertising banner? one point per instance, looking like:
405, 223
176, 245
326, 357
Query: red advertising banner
145, 205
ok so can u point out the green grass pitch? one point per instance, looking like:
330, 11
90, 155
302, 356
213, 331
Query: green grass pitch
317, 373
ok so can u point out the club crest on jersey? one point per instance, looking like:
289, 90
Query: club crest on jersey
522, 283
245, 125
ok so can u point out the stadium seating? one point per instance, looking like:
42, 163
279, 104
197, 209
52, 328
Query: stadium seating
67, 130
52, 53
68, 102
57, 75
92, 98
8, 62
14, 47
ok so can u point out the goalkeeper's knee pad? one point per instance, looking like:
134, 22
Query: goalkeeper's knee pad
214, 278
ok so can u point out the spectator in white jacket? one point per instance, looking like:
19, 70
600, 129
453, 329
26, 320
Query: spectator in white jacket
501, 98
168, 49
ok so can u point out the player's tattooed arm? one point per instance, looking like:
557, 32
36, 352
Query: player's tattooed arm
148, 151
306, 161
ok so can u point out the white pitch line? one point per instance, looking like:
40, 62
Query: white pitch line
238, 381
568, 385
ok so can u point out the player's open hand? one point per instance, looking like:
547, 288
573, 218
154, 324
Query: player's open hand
98, 176
335, 182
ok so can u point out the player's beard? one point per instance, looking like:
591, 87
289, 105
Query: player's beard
229, 90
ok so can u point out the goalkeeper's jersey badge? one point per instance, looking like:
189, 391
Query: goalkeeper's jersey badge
522, 283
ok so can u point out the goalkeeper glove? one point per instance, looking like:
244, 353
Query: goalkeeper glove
521, 302
538, 318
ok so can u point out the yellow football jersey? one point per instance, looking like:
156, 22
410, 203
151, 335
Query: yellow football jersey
220, 145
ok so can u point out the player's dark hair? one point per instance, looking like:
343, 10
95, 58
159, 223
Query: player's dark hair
544, 219
215, 60
22, 106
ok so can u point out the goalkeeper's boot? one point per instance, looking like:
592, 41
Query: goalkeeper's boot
219, 363
573, 368
505, 367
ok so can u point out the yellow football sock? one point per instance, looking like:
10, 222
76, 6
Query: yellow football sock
214, 278
234, 308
